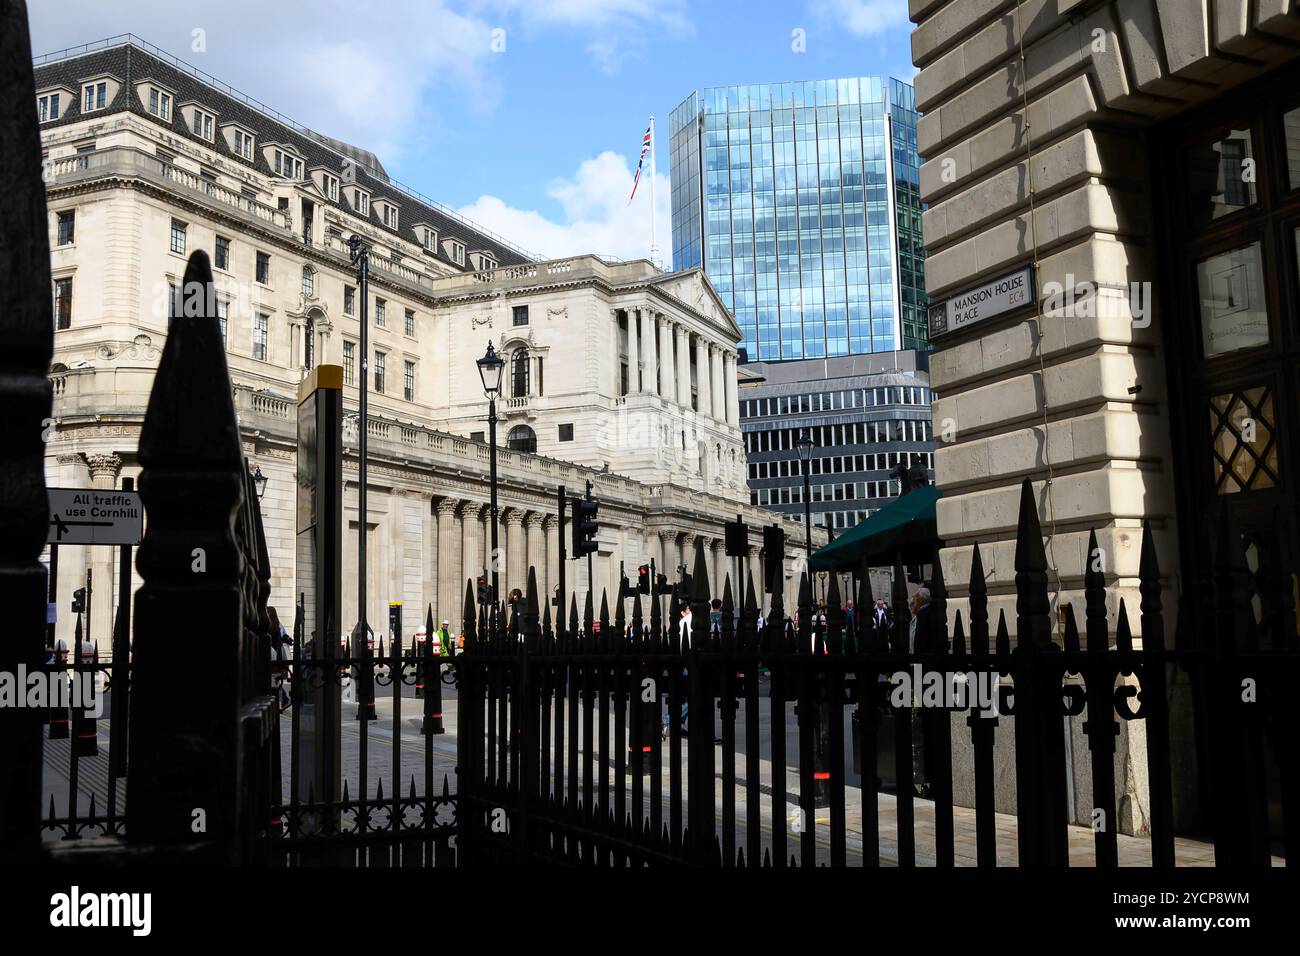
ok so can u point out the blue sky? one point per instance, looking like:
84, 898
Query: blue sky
526, 115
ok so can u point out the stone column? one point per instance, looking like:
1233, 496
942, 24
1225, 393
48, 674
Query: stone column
633, 352
683, 367
667, 552
754, 571
667, 364
729, 380
428, 565
703, 376
688, 551
536, 551
104, 470
718, 569
550, 525
446, 605
394, 589
651, 328
471, 552
516, 553
718, 385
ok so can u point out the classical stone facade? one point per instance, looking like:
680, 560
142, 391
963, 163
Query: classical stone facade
132, 193
613, 364
1112, 146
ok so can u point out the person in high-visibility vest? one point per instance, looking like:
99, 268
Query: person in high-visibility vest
443, 637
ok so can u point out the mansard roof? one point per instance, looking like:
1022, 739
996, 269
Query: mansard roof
134, 64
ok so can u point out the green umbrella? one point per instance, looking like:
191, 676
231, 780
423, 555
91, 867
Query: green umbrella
905, 530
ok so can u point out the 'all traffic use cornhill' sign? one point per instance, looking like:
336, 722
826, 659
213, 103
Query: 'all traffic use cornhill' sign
94, 516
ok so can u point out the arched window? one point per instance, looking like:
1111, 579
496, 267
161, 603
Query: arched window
519, 373
522, 438
308, 340
308, 281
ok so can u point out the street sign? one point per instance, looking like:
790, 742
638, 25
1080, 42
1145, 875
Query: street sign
997, 297
93, 516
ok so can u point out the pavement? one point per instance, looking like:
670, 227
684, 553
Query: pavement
384, 766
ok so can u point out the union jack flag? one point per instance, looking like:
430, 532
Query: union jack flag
645, 148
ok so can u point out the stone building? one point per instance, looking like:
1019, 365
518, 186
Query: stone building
1113, 228
147, 161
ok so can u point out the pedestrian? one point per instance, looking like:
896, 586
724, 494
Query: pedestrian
443, 634
280, 641
920, 608
882, 620
715, 616
684, 627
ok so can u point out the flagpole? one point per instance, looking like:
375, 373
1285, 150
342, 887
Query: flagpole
654, 249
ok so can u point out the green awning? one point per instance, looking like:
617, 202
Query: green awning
907, 525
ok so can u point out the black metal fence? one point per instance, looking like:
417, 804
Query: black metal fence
561, 760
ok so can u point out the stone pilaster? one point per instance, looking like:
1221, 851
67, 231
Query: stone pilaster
447, 603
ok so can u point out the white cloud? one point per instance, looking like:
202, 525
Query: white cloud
595, 215
864, 17
358, 75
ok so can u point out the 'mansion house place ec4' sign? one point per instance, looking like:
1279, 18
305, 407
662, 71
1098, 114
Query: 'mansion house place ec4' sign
993, 298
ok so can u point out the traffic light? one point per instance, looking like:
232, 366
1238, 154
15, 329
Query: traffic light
484, 590
79, 601
661, 585
643, 579
774, 557
584, 527
736, 537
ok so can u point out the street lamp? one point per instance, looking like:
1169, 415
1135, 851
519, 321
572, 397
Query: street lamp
490, 367
804, 445
259, 482
359, 255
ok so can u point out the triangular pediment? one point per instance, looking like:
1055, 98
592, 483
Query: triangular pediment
693, 287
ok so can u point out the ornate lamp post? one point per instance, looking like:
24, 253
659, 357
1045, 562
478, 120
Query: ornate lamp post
490, 367
259, 482
359, 254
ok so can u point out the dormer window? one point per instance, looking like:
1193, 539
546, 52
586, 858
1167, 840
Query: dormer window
243, 144
388, 212
47, 107
160, 104
204, 124
330, 186
287, 165
94, 96
429, 238
456, 251
486, 262
361, 202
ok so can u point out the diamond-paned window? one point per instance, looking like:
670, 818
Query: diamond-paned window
1244, 440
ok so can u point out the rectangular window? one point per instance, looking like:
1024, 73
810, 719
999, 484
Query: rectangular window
160, 104
381, 314
67, 227
93, 96
458, 253
243, 145
263, 268
520, 315
47, 107
63, 303
349, 300
223, 311
331, 187
349, 363
380, 358
410, 322
566, 431
204, 123
430, 239
290, 167
261, 331
408, 381
362, 203
389, 215
476, 436
178, 237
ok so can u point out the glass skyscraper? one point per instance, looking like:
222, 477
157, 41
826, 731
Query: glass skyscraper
801, 201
